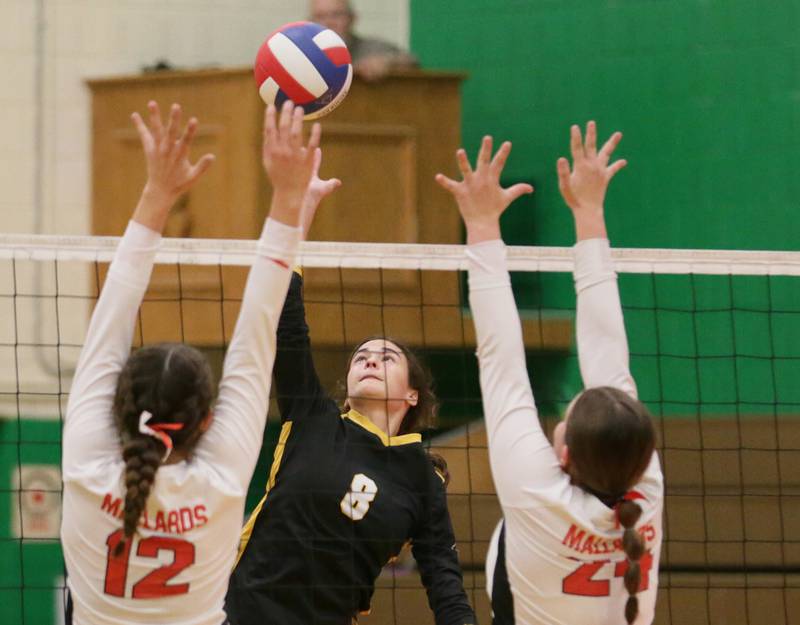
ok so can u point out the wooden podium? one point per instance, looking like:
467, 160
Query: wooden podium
385, 142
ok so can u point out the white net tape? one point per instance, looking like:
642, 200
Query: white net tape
404, 255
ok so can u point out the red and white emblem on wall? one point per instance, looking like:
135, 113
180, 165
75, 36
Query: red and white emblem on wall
36, 501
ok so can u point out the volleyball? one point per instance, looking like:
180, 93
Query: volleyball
307, 64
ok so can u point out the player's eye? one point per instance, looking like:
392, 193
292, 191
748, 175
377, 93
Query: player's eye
360, 358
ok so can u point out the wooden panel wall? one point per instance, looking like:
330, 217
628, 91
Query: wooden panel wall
386, 143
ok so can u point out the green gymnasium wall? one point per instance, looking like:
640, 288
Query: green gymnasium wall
32, 573
706, 94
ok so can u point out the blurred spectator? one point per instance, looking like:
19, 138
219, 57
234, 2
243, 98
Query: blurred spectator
372, 58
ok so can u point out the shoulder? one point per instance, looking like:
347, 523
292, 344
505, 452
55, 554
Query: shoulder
321, 414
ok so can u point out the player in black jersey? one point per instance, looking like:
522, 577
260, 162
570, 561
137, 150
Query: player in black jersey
346, 491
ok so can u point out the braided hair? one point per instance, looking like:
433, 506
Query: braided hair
628, 513
611, 439
172, 382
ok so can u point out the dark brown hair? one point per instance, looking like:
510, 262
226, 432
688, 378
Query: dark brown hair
628, 513
422, 416
173, 382
611, 439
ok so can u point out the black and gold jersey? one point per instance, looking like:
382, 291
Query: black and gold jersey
342, 499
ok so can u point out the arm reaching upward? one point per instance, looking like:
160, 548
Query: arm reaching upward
89, 431
602, 343
234, 439
297, 384
522, 458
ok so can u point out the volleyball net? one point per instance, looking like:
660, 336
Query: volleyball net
715, 348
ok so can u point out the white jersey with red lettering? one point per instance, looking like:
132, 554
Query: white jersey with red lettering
563, 550
176, 568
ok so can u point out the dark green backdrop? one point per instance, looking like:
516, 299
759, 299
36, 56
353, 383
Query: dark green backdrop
707, 94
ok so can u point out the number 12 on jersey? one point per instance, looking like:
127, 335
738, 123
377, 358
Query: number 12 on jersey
154, 584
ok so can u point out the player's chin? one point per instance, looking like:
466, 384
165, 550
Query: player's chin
370, 389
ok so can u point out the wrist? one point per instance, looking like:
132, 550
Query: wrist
288, 195
590, 224
478, 232
286, 206
157, 197
307, 212
152, 210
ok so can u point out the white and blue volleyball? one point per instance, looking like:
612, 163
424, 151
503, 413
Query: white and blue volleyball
307, 64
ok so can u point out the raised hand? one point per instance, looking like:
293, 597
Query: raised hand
288, 162
481, 200
584, 187
316, 191
170, 173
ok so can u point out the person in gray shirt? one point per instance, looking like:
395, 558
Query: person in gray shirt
373, 59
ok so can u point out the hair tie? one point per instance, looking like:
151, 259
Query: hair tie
158, 431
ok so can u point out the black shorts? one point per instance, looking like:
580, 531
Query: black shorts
502, 601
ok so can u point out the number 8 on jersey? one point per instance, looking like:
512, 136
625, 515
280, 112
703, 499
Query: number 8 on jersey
355, 503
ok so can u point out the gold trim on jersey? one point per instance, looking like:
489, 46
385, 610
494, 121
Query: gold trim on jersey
367, 424
247, 531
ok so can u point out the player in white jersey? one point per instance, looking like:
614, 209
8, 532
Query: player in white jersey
582, 516
154, 479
